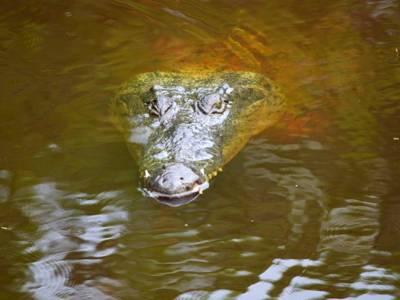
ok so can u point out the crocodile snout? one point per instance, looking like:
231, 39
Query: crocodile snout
176, 184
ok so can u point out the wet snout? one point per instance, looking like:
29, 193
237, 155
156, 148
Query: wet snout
176, 184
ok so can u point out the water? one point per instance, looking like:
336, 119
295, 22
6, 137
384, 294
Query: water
308, 210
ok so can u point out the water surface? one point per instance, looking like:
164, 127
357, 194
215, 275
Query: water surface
308, 210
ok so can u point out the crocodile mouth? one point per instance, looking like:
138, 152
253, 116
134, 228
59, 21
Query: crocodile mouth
178, 199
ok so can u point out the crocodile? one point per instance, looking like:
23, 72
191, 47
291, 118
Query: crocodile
183, 127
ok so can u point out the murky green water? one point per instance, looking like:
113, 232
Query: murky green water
310, 209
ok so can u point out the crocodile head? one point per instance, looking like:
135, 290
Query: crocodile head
182, 128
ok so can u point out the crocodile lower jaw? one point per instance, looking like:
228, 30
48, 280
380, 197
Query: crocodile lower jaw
179, 198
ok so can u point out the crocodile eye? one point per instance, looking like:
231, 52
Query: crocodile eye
159, 105
212, 104
215, 103
153, 107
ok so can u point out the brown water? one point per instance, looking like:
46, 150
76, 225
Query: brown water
308, 210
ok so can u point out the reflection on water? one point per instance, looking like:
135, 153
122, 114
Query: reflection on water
74, 232
308, 210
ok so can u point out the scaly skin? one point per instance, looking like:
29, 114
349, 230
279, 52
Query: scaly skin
183, 127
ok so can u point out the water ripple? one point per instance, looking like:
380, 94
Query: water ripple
73, 235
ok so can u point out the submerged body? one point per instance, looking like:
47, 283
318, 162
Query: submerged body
183, 127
